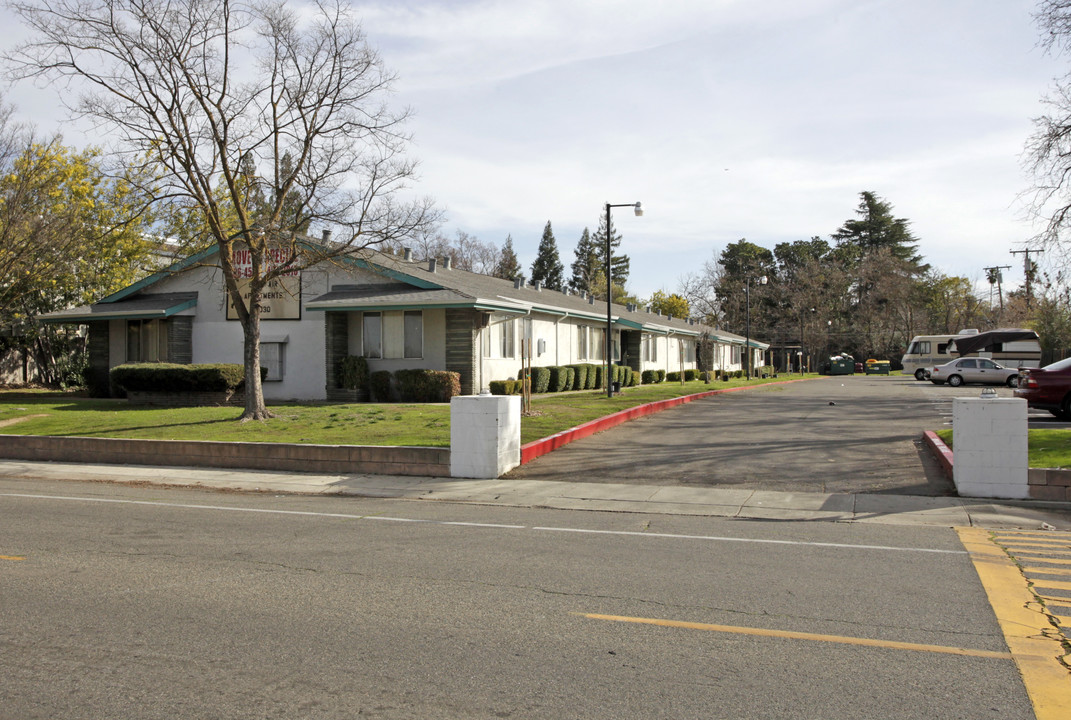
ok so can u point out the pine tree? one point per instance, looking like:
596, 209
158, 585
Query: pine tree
547, 267
619, 264
508, 267
586, 264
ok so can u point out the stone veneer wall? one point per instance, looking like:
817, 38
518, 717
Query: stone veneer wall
328, 459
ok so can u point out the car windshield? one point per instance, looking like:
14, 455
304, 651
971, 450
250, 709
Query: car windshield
1059, 365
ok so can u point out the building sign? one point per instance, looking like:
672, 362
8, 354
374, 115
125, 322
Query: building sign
280, 299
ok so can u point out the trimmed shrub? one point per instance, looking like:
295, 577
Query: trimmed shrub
379, 385
738, 374
580, 376
690, 375
559, 379
353, 372
673, 377
661, 375
427, 386
634, 378
650, 377
766, 371
626, 376
540, 379
171, 377
589, 376
600, 370
502, 387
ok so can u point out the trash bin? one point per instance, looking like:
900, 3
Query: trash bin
877, 367
841, 365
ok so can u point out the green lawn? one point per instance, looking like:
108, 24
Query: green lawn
1046, 448
47, 413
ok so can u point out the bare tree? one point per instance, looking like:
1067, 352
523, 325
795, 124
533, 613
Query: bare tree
260, 120
1048, 150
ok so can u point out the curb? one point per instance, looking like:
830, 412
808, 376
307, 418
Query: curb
941, 452
538, 448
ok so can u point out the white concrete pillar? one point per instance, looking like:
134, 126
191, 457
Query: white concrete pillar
989, 447
485, 435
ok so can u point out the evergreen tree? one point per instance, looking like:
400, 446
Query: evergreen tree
586, 265
547, 267
619, 264
876, 228
508, 267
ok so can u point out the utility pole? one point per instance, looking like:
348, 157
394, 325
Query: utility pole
1026, 270
995, 276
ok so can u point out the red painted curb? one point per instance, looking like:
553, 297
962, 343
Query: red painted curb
941, 452
538, 448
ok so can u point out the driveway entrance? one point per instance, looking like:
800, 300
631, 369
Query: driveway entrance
853, 433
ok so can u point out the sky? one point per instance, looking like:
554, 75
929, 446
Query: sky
727, 119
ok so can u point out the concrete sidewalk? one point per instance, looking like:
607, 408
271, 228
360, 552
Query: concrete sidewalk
608, 497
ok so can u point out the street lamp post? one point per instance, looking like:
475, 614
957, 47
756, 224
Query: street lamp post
608, 378
747, 333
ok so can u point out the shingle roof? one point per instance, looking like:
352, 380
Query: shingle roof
491, 289
144, 306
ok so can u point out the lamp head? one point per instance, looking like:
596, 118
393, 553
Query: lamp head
639, 209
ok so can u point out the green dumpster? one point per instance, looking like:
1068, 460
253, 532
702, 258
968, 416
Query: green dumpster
842, 365
877, 367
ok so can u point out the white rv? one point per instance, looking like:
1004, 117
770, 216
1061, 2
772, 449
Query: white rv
1010, 347
926, 351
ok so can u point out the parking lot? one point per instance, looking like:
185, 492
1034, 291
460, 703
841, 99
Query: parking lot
855, 433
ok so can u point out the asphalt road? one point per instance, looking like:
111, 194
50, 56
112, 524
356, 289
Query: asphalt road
854, 433
150, 603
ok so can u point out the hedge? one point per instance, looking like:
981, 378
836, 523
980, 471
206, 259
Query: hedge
580, 376
171, 377
427, 386
673, 377
600, 371
650, 377
540, 379
690, 375
506, 387
379, 385
353, 372
559, 379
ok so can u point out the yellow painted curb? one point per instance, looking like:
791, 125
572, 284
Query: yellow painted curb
1031, 636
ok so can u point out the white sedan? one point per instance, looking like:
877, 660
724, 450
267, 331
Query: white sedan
974, 370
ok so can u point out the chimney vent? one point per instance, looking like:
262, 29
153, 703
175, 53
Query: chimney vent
327, 235
591, 299
447, 262
538, 286
431, 264
408, 254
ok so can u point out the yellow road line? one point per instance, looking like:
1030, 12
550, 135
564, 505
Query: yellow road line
16, 558
1064, 572
1061, 546
1028, 631
763, 632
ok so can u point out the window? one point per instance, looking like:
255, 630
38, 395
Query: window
581, 343
599, 344
272, 358
969, 364
414, 334
654, 349
986, 364
372, 332
146, 341
506, 349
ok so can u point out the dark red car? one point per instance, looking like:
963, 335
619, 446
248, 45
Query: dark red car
1047, 388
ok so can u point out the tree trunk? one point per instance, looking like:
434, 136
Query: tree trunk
255, 409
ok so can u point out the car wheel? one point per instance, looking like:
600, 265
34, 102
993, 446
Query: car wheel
1013, 381
920, 374
1065, 409
955, 380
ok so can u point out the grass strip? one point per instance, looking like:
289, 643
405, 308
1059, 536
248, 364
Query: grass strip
1045, 448
67, 415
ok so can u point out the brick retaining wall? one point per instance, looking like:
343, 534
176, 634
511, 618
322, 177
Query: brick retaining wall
328, 459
